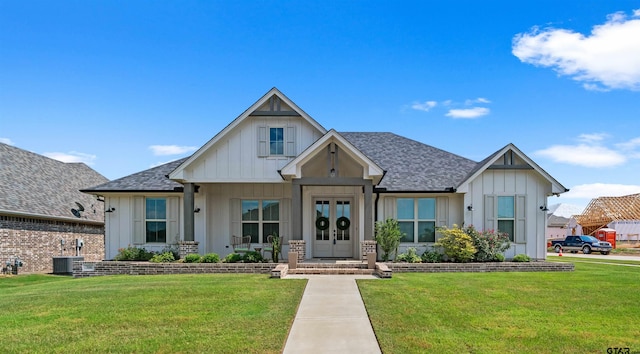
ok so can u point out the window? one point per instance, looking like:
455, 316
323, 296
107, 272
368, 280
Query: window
506, 215
156, 219
417, 219
276, 141
260, 218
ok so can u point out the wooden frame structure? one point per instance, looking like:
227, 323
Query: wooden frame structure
604, 210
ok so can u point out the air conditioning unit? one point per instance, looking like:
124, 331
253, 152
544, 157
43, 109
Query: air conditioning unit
64, 264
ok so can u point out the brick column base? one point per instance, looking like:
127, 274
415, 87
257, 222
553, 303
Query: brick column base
299, 247
367, 246
187, 247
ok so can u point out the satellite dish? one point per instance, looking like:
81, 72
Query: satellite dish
75, 212
80, 206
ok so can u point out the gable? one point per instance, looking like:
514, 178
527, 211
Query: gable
512, 159
332, 156
254, 146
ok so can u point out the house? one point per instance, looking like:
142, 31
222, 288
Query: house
558, 218
43, 213
275, 169
619, 213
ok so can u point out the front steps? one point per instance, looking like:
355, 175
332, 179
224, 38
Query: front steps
337, 268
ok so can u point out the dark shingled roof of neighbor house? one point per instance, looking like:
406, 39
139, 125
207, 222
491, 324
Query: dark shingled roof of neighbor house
37, 186
411, 165
151, 180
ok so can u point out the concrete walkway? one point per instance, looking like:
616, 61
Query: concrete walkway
331, 317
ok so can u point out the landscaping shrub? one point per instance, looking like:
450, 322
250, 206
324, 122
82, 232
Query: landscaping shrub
132, 253
210, 258
410, 257
457, 244
252, 257
173, 249
388, 236
499, 257
192, 258
488, 243
232, 258
432, 256
163, 258
521, 258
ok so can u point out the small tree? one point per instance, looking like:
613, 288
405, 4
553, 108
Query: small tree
388, 236
457, 244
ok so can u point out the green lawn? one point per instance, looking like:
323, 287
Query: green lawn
591, 260
147, 314
586, 311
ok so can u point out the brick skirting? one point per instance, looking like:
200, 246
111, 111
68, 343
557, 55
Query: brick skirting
480, 267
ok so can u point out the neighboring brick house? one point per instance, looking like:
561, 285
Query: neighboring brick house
41, 205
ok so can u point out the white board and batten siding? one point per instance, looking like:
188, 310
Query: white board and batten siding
530, 191
241, 155
224, 211
125, 226
448, 213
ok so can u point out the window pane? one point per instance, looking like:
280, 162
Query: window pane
156, 208
269, 229
276, 141
270, 210
252, 230
506, 226
250, 210
156, 231
427, 231
427, 208
405, 208
406, 227
505, 207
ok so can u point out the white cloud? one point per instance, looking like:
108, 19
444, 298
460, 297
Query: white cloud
164, 150
629, 145
595, 190
607, 58
470, 113
426, 106
592, 138
583, 155
469, 102
72, 156
6, 141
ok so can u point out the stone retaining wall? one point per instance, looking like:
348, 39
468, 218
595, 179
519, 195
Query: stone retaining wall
480, 267
92, 269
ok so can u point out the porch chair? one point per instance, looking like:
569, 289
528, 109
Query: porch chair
241, 244
268, 246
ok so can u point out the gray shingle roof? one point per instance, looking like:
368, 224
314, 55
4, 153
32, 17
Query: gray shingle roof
151, 180
37, 185
411, 165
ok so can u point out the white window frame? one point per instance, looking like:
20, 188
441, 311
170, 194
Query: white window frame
416, 219
261, 222
147, 220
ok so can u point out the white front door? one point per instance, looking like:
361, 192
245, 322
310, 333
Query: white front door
333, 228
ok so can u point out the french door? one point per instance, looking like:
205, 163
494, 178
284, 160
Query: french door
333, 229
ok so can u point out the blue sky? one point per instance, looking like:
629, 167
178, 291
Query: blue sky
126, 85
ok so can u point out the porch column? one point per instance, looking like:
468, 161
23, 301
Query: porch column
296, 209
188, 200
368, 210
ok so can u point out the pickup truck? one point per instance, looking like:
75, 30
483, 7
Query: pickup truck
586, 244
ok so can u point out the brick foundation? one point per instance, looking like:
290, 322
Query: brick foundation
480, 267
37, 241
92, 269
